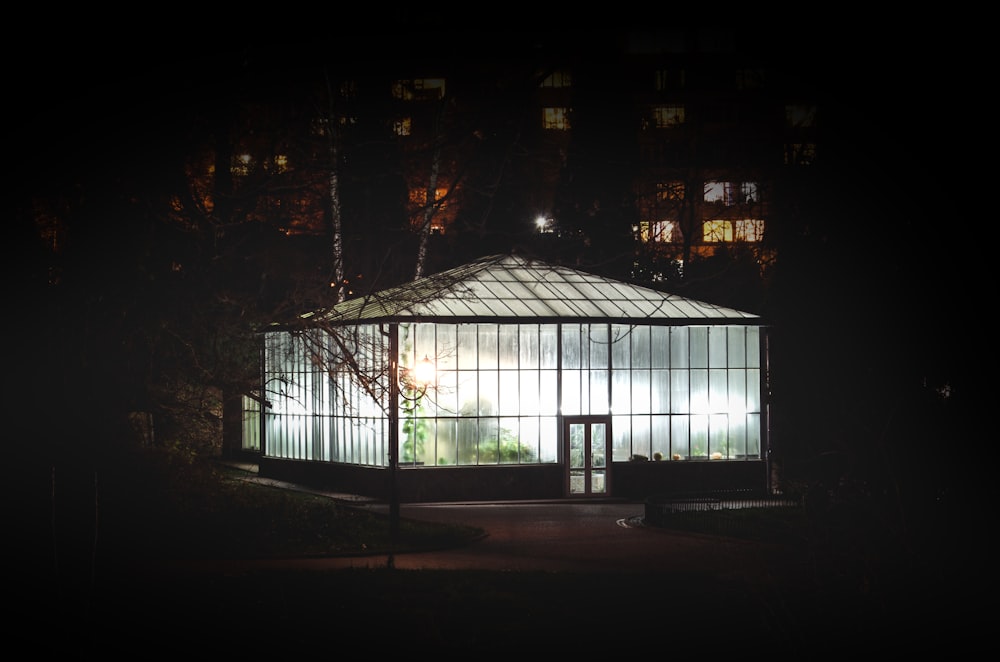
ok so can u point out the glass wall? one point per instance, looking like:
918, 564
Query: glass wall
673, 392
251, 424
493, 399
686, 392
326, 395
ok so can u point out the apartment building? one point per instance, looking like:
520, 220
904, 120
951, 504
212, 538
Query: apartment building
665, 148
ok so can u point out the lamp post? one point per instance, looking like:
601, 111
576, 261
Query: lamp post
416, 379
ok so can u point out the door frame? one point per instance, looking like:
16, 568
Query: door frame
588, 467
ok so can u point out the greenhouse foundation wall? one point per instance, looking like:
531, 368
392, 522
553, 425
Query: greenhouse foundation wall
633, 481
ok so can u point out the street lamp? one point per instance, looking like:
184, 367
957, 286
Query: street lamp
401, 385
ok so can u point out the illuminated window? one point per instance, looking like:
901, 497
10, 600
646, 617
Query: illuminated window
402, 127
731, 193
665, 117
749, 229
280, 163
717, 231
558, 79
657, 231
423, 89
555, 118
670, 191
242, 165
800, 115
418, 198
800, 153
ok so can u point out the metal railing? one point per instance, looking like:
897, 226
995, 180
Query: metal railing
716, 512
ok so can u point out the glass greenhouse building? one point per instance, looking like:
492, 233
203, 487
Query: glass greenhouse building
509, 378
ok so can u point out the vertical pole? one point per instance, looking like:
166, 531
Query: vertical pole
261, 421
393, 440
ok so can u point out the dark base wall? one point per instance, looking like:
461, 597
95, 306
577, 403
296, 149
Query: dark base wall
639, 480
629, 480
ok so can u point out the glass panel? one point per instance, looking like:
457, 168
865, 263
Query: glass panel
679, 391
424, 336
467, 347
510, 442
640, 347
640, 391
660, 437
699, 436
598, 482
447, 343
621, 433
599, 346
571, 392
508, 394
699, 391
527, 346
443, 400
488, 384
577, 482
718, 390
487, 339
447, 442
489, 429
529, 439
528, 390
659, 388
737, 347
753, 347
598, 391
640, 435
548, 346
753, 390
598, 445
717, 343
576, 447
678, 347
571, 346
621, 346
718, 443
737, 392
548, 440
659, 347
679, 433
621, 391
468, 440
753, 435
699, 346
507, 343
468, 393
548, 400
737, 435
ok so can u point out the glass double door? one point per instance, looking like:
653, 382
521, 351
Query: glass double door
586, 441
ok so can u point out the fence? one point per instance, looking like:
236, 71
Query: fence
717, 512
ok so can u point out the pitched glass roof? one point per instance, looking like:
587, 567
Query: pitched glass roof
511, 287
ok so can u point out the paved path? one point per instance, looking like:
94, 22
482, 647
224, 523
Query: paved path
562, 537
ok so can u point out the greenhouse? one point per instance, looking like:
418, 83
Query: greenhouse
510, 378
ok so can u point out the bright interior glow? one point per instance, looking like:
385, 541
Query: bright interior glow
423, 373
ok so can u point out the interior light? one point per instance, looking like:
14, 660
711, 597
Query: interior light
423, 373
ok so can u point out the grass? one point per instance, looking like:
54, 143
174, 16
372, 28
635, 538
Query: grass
207, 510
